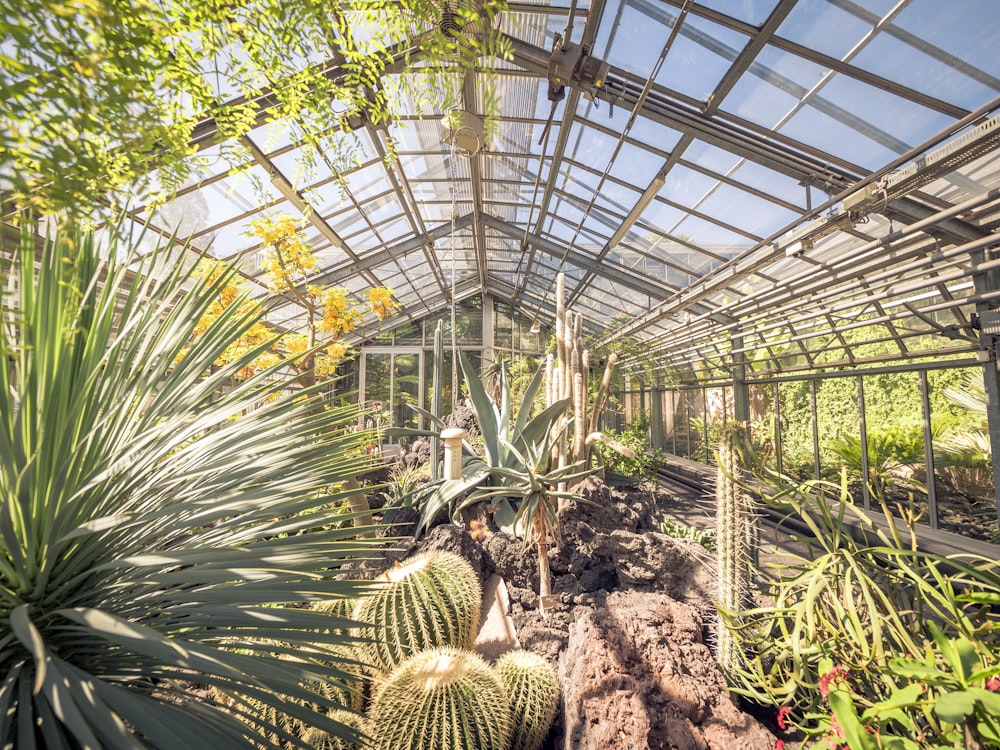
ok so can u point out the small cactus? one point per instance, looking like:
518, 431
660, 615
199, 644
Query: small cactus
319, 739
441, 699
533, 690
433, 599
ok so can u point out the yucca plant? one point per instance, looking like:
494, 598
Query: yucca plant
152, 510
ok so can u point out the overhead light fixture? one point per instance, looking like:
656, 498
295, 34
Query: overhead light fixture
464, 130
804, 239
536, 327
641, 205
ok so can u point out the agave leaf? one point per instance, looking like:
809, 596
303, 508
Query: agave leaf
487, 415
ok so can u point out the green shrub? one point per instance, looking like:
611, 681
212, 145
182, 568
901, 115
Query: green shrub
150, 508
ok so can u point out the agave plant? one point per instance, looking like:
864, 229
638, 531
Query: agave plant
514, 471
156, 514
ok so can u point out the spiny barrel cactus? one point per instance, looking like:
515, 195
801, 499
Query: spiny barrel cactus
319, 739
533, 690
441, 699
433, 599
736, 545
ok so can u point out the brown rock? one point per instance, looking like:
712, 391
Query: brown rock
636, 674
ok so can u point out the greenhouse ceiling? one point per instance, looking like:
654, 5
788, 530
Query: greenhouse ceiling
795, 183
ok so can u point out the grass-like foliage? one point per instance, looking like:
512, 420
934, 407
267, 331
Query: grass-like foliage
833, 652
156, 513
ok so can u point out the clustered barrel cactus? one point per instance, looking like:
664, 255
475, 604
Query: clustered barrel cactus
429, 691
441, 699
431, 600
533, 689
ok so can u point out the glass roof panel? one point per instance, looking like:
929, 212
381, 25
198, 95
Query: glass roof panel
700, 57
754, 12
634, 41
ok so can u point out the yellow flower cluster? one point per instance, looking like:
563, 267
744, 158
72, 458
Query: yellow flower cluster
290, 258
339, 315
382, 303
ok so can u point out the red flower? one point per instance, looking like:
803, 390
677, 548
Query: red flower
782, 715
838, 673
993, 684
779, 745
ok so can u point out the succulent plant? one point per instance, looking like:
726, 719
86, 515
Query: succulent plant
533, 690
441, 699
433, 599
736, 544
319, 739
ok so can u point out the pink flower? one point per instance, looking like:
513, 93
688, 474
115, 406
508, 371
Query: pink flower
779, 745
993, 684
783, 715
837, 674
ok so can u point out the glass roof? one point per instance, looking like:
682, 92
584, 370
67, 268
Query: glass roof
694, 198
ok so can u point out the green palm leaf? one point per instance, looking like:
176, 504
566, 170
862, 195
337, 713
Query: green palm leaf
157, 516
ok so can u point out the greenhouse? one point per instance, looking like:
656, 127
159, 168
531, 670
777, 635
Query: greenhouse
479, 374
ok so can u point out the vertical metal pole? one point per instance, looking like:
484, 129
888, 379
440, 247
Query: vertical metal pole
865, 493
656, 415
704, 423
925, 410
437, 383
777, 429
988, 348
741, 395
815, 428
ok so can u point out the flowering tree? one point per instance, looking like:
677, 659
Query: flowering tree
330, 313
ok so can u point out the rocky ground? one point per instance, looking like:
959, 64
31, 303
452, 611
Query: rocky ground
631, 637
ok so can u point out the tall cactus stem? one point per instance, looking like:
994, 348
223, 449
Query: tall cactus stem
602, 393
735, 544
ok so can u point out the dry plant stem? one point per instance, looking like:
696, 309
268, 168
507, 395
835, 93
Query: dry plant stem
544, 572
358, 503
602, 393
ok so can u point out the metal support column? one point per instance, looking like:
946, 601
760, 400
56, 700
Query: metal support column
865, 492
989, 352
815, 428
925, 410
741, 393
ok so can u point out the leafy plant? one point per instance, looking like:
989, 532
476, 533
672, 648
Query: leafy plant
103, 97
704, 537
893, 452
151, 510
862, 598
641, 466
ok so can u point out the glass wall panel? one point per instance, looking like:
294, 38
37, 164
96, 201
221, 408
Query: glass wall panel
963, 475
405, 390
894, 426
795, 401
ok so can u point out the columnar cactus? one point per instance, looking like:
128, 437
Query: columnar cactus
736, 544
433, 599
442, 699
533, 689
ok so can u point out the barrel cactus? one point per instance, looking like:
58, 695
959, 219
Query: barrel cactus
736, 546
433, 599
533, 689
441, 699
318, 739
